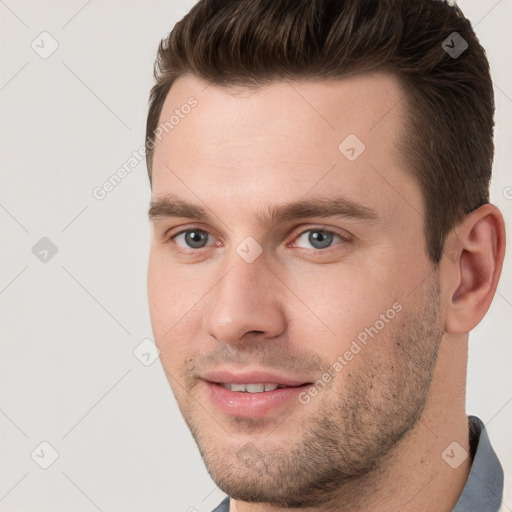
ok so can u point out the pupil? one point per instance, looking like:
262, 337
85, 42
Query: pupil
320, 237
195, 238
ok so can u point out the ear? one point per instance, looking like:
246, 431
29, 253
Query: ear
474, 253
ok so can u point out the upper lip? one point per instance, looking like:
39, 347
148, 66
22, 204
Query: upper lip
252, 377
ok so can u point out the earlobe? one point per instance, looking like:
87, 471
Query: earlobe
475, 259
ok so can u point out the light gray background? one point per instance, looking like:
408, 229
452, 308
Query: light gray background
70, 325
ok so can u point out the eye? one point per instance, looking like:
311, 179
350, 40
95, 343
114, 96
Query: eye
191, 238
320, 238
196, 239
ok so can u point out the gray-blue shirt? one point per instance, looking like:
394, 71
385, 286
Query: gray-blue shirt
484, 487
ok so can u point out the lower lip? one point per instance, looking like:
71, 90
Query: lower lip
252, 405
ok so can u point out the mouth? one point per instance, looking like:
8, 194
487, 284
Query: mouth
253, 394
254, 387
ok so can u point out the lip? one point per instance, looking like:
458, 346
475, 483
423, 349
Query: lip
252, 405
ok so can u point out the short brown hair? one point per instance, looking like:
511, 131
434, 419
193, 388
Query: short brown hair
450, 101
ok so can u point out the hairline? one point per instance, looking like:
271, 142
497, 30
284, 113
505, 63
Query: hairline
235, 88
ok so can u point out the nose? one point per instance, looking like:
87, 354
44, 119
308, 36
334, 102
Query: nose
246, 302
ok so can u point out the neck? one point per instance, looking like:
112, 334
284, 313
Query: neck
415, 475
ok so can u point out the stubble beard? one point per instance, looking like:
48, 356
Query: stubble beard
340, 446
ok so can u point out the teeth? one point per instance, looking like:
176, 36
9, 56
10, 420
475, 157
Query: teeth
255, 388
251, 388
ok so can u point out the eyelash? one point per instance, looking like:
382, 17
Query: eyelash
343, 238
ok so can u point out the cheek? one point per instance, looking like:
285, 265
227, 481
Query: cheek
158, 287
167, 295
172, 298
345, 301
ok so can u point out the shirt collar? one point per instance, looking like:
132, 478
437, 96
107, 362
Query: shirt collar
484, 486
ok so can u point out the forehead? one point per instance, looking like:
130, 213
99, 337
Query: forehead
284, 140
307, 111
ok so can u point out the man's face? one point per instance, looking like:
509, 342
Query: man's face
342, 309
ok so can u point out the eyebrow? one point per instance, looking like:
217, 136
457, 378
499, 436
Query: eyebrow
171, 205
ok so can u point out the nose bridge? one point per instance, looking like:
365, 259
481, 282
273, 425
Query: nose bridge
245, 299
